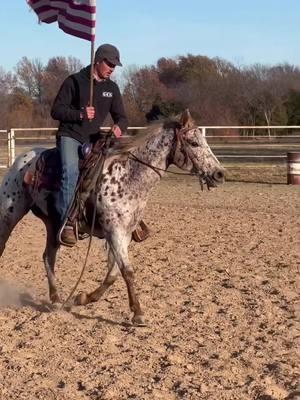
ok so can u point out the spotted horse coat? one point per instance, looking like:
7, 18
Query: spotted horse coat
126, 186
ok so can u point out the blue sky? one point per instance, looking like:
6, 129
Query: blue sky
241, 31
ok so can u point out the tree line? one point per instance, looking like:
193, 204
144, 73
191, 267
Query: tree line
216, 91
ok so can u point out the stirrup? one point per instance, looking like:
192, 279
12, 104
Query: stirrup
67, 225
82, 236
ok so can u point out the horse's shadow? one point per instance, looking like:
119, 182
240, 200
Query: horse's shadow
100, 319
26, 300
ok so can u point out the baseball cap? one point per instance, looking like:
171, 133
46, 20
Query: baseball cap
108, 52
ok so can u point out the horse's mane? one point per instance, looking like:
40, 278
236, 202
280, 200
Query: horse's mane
127, 143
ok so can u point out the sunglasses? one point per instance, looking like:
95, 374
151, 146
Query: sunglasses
109, 64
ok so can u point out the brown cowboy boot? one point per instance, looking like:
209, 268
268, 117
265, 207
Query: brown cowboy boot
67, 236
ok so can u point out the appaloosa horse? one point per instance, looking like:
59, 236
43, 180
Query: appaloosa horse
126, 185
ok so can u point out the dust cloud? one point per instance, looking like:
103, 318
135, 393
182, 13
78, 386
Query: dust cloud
12, 296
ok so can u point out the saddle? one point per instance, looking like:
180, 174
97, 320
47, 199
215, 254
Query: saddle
47, 175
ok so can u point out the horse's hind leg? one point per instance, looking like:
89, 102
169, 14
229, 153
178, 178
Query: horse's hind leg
15, 202
5, 230
49, 258
10, 214
111, 276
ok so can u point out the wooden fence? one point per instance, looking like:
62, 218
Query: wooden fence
239, 143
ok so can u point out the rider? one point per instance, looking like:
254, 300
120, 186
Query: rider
80, 123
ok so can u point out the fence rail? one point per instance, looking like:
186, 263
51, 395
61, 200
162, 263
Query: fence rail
13, 139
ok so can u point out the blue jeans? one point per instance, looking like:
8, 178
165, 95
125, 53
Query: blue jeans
69, 155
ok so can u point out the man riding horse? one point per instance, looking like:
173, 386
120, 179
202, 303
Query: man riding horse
133, 166
80, 123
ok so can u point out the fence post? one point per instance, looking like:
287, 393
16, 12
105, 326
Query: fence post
203, 130
12, 146
8, 149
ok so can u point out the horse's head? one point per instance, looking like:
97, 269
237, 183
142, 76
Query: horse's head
193, 154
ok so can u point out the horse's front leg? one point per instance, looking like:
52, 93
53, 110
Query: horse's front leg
119, 246
111, 276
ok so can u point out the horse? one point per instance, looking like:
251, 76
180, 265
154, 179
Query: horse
132, 168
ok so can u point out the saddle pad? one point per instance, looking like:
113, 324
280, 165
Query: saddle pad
47, 174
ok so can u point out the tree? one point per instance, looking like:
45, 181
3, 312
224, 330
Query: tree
30, 77
55, 72
7, 82
293, 107
7, 86
143, 89
216, 91
20, 109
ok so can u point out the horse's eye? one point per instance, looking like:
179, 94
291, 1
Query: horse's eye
194, 144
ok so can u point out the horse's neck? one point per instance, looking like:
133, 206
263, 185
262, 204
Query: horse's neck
155, 153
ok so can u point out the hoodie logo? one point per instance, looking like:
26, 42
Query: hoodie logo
107, 94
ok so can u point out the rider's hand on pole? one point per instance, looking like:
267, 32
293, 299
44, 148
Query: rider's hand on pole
116, 131
88, 113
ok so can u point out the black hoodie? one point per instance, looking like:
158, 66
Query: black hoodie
73, 97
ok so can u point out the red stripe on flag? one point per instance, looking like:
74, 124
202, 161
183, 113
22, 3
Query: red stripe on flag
79, 20
83, 7
81, 15
74, 32
73, 18
49, 20
66, 4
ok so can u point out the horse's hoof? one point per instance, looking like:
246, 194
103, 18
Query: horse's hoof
55, 299
67, 306
56, 306
81, 299
138, 320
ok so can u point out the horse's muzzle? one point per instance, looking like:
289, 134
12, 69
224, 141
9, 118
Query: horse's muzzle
212, 180
218, 176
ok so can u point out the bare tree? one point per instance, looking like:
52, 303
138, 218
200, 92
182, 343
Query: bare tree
30, 77
55, 72
215, 90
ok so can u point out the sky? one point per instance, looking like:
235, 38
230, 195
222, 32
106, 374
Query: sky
243, 32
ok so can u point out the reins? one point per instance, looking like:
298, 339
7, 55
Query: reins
157, 169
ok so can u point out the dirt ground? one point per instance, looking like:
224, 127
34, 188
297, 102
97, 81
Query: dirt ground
219, 283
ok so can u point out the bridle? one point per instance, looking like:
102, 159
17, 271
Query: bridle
178, 144
181, 145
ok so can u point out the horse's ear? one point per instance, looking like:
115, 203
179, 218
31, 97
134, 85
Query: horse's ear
186, 120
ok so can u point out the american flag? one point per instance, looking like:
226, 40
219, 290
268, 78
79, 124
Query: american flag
76, 17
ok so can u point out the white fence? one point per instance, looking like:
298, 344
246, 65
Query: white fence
12, 138
4, 144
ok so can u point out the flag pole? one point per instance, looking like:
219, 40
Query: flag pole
92, 74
